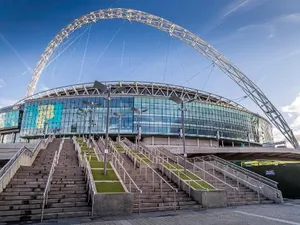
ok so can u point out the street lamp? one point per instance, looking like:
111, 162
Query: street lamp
82, 112
45, 126
106, 88
119, 116
139, 128
181, 101
92, 105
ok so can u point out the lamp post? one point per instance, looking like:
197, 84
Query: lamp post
106, 88
92, 106
119, 116
82, 112
181, 101
139, 128
45, 125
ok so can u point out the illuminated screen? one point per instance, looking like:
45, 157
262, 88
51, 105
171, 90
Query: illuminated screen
9, 119
36, 116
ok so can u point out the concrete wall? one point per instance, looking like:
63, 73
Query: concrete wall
113, 204
174, 141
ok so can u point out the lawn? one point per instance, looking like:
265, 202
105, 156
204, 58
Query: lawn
109, 187
101, 187
140, 156
195, 184
188, 177
98, 164
110, 175
119, 148
172, 166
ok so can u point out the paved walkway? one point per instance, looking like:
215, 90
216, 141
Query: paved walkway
250, 215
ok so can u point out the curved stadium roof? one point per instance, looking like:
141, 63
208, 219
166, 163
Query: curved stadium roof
137, 88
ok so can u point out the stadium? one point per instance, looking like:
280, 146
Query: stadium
210, 120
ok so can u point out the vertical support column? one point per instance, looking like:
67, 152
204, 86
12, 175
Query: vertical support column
169, 141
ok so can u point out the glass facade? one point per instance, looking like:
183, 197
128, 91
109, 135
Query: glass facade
9, 119
161, 118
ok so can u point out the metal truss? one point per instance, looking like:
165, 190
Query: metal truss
248, 86
133, 88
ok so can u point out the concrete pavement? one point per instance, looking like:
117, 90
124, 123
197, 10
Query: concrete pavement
288, 213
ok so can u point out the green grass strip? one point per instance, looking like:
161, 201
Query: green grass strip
97, 164
106, 187
110, 175
172, 166
204, 185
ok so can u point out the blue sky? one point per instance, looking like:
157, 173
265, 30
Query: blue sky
261, 37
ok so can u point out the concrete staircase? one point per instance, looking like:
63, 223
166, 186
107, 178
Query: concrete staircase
23, 197
152, 199
245, 195
68, 195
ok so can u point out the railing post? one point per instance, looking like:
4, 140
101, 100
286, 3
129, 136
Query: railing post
258, 195
174, 200
124, 176
153, 179
139, 202
146, 173
161, 188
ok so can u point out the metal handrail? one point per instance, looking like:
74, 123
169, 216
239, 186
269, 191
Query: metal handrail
47, 187
203, 170
260, 185
245, 171
11, 162
154, 173
142, 148
195, 167
232, 175
119, 166
97, 149
180, 170
78, 150
115, 151
18, 154
50, 176
238, 179
90, 182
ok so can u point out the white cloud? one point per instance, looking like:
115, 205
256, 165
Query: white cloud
234, 7
6, 102
269, 29
2, 83
294, 107
293, 111
289, 18
277, 135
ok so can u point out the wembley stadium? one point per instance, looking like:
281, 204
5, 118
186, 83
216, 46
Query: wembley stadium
210, 120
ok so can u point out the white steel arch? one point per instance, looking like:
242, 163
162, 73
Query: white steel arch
248, 86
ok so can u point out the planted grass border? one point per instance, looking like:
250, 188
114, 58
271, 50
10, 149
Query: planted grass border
119, 148
109, 187
190, 178
140, 156
108, 183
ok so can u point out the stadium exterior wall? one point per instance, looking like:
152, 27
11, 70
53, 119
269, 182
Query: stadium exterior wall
204, 121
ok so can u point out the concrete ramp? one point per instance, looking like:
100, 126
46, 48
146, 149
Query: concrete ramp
238, 153
8, 150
